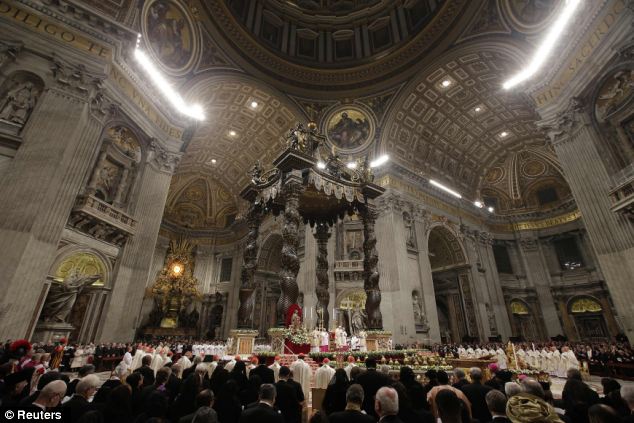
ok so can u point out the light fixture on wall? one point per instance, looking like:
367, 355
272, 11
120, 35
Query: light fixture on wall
351, 165
192, 110
254, 104
444, 188
547, 45
321, 165
478, 204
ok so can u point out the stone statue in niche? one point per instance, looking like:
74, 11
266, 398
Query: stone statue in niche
420, 320
409, 231
107, 181
62, 296
19, 103
491, 317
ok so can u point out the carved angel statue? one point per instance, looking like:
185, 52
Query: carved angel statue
297, 138
256, 172
296, 321
19, 103
62, 296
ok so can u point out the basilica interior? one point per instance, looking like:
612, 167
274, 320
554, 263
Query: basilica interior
425, 168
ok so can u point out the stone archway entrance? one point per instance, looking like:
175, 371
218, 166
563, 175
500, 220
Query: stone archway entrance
350, 311
452, 286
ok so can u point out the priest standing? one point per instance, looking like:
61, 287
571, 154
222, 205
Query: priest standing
323, 375
302, 374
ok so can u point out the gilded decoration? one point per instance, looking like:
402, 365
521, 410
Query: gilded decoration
126, 141
585, 305
170, 31
353, 301
82, 264
175, 288
350, 128
614, 93
519, 307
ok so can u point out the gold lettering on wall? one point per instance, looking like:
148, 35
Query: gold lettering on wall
143, 103
41, 25
552, 91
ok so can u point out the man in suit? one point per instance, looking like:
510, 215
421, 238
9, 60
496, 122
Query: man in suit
287, 397
205, 398
496, 403
146, 371
50, 396
371, 381
79, 404
263, 412
352, 413
386, 405
84, 371
475, 392
267, 375
460, 379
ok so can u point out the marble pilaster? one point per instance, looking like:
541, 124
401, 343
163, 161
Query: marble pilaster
136, 258
612, 235
39, 189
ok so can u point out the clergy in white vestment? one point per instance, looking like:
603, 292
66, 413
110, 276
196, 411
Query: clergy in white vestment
232, 363
127, 360
554, 361
470, 352
138, 357
502, 359
462, 352
568, 361
185, 361
350, 365
315, 340
252, 365
276, 367
157, 359
302, 374
325, 341
338, 337
478, 352
324, 374
211, 367
521, 356
363, 345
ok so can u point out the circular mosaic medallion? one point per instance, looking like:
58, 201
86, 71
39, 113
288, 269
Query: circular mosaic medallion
350, 128
533, 168
169, 31
494, 175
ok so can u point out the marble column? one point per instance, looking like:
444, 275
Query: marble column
321, 290
421, 225
38, 191
612, 235
498, 304
370, 270
290, 243
538, 275
610, 321
136, 258
568, 324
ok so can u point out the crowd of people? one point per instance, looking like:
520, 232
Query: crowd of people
170, 383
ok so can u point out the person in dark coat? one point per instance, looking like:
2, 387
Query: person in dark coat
577, 397
205, 398
352, 412
16, 387
476, 393
79, 403
218, 379
185, 402
496, 403
415, 391
386, 405
286, 399
250, 394
83, 371
266, 375
461, 379
44, 380
239, 374
371, 381
335, 396
118, 407
146, 371
406, 411
264, 411
228, 405
135, 382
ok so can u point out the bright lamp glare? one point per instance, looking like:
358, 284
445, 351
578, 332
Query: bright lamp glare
381, 160
491, 209
195, 111
444, 188
321, 165
547, 45
478, 204
351, 165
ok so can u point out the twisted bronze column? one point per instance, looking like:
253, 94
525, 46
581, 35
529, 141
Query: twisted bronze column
321, 289
290, 244
249, 266
370, 270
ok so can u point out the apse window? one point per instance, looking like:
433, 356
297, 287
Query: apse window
547, 196
225, 269
568, 253
502, 259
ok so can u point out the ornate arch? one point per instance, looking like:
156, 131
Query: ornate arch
70, 251
584, 304
445, 244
